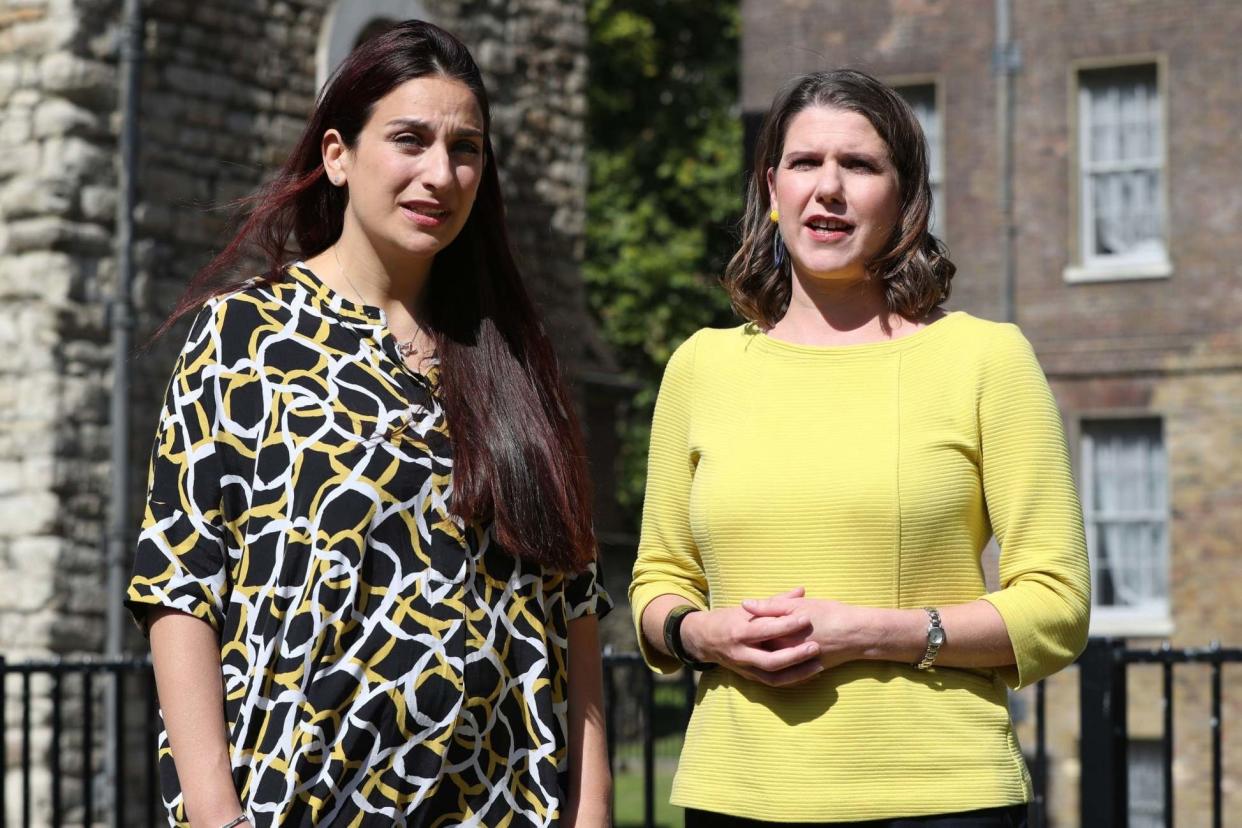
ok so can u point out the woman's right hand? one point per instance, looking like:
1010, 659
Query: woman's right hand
745, 643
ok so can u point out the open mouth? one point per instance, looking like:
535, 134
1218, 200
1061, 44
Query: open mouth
425, 214
830, 225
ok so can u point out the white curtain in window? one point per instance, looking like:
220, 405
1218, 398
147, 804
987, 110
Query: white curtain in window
1127, 513
922, 100
1122, 163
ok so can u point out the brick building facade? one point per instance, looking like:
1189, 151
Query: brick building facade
1126, 278
225, 88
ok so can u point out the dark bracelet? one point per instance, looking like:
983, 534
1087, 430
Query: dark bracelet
673, 642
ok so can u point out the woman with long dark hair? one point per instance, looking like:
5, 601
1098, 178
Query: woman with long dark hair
367, 564
823, 480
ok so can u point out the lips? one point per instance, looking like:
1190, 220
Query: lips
425, 213
828, 228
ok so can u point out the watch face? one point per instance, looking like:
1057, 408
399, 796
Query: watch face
935, 636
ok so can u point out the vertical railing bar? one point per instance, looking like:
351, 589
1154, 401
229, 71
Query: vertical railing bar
610, 718
4, 729
54, 754
1217, 758
118, 748
1167, 681
88, 739
152, 748
26, 748
649, 750
1041, 755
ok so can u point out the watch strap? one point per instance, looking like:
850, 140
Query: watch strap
673, 642
935, 639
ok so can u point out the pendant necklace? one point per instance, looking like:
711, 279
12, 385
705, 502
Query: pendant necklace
404, 347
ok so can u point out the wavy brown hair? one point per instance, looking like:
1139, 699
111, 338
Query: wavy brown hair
518, 456
913, 265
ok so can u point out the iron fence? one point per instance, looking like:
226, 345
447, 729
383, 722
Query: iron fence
77, 701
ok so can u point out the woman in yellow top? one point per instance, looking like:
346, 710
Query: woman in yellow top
821, 484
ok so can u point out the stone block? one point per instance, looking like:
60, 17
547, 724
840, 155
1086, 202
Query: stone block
79, 79
24, 197
76, 159
58, 116
27, 514
98, 203
35, 558
55, 233
19, 158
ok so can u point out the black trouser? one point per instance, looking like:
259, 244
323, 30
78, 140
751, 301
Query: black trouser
1012, 816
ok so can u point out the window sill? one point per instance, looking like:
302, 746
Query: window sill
1129, 623
1119, 272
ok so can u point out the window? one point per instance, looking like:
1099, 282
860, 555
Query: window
1121, 175
350, 22
922, 99
1125, 507
1145, 783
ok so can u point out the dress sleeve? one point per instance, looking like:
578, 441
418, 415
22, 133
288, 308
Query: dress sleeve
668, 558
585, 594
180, 560
1032, 503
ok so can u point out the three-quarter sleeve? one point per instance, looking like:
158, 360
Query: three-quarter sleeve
180, 561
1033, 507
585, 594
668, 559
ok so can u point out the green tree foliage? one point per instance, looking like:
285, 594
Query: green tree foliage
666, 164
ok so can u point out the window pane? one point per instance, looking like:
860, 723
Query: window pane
922, 100
1125, 507
1122, 163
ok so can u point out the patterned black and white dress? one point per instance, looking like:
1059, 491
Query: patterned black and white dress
383, 663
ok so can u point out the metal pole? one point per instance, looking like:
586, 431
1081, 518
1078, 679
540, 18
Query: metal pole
122, 327
1102, 708
1006, 61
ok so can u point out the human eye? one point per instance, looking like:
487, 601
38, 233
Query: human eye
466, 148
861, 164
801, 163
408, 140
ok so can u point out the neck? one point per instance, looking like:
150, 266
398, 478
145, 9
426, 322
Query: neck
360, 269
836, 311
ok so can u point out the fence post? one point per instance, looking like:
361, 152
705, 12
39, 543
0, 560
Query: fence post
1103, 796
649, 793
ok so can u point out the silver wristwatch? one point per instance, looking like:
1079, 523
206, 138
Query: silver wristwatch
935, 639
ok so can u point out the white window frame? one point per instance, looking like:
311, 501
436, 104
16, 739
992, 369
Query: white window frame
935, 144
1151, 621
1087, 266
347, 19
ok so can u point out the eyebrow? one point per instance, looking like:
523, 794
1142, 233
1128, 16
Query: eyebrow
416, 123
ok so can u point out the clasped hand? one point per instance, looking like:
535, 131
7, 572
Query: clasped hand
777, 641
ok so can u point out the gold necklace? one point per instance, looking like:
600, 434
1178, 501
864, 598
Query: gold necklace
404, 347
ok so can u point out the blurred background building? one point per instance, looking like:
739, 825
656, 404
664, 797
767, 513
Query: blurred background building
1087, 191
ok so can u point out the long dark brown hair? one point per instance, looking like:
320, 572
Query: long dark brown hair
518, 456
913, 265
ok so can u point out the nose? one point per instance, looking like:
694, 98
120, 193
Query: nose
437, 167
828, 187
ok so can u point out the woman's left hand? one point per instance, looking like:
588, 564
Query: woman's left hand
844, 632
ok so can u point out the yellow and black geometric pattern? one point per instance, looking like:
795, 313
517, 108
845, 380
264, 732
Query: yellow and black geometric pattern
383, 663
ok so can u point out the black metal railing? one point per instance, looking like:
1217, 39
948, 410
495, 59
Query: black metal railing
78, 701
105, 711
1104, 737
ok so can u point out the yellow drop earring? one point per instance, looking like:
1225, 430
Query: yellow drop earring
774, 215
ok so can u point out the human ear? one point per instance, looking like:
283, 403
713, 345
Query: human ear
335, 157
771, 176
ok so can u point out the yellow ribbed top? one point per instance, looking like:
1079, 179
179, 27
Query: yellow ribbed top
871, 474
